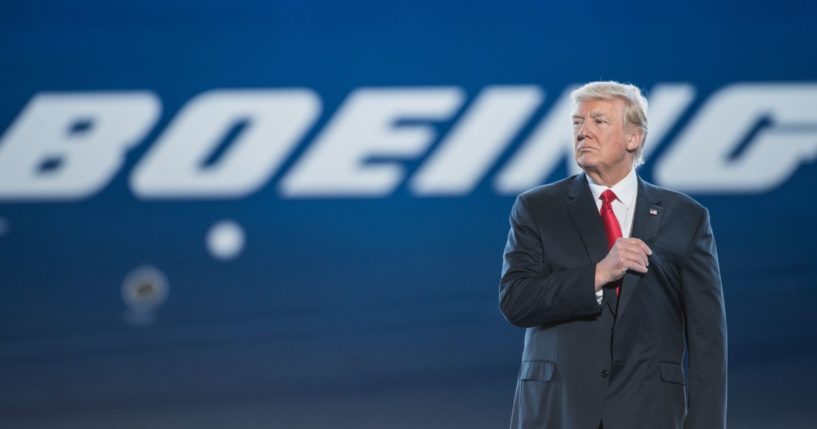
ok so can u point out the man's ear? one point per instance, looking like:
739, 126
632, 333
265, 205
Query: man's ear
634, 139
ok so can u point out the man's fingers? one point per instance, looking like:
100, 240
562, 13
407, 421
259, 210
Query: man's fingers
631, 254
642, 245
636, 263
635, 252
635, 242
632, 258
638, 247
641, 268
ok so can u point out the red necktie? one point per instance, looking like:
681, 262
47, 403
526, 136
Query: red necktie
611, 227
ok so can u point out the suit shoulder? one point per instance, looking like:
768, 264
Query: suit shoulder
548, 191
677, 199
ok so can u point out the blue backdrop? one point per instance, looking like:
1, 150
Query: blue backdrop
351, 281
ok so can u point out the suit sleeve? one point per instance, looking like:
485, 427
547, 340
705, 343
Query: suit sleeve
529, 293
705, 318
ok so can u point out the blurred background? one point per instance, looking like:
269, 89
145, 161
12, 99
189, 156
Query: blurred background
256, 214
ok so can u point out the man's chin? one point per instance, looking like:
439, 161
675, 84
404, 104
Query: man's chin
584, 163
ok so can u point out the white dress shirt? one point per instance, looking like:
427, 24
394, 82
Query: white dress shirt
626, 192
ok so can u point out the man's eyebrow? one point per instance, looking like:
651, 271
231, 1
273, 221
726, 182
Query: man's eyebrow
597, 114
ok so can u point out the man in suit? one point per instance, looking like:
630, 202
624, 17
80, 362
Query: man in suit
614, 279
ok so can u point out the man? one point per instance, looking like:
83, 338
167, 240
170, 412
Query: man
613, 278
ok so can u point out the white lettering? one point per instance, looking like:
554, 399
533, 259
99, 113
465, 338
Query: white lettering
228, 143
340, 163
703, 158
548, 144
69, 146
274, 121
474, 144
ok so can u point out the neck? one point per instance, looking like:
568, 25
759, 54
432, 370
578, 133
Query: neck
607, 178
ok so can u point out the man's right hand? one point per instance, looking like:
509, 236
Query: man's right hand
626, 254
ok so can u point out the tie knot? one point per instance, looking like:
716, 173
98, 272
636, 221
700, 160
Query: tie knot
608, 196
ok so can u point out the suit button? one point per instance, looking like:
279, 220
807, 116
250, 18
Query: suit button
605, 373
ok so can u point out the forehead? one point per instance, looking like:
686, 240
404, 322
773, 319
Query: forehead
594, 107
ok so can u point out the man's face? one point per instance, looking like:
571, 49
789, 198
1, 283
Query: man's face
602, 142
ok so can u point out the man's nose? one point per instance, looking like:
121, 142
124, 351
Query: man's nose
581, 132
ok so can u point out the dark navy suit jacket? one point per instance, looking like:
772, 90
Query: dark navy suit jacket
619, 362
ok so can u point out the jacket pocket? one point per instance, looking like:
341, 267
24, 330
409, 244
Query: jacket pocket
537, 370
672, 372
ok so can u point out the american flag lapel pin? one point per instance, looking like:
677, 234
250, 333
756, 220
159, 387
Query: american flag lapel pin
653, 212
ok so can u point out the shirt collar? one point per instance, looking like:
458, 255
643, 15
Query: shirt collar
626, 189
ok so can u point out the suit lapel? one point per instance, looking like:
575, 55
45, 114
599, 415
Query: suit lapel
586, 218
646, 219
